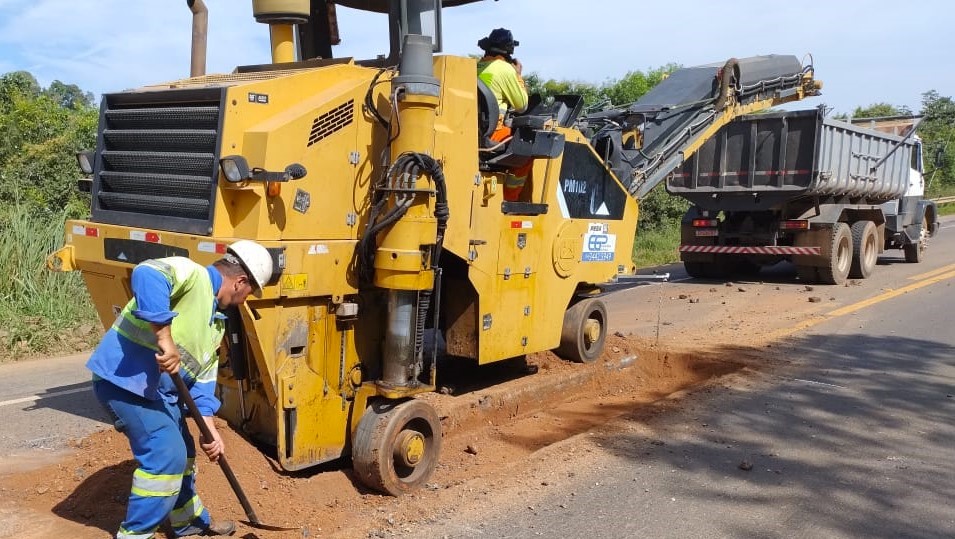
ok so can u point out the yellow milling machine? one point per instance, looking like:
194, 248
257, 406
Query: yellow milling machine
376, 188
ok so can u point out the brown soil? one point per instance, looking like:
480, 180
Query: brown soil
488, 439
84, 494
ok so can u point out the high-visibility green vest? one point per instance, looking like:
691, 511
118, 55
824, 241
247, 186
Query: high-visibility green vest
195, 330
502, 79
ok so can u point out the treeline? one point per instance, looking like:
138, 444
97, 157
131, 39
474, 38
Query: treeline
937, 131
42, 129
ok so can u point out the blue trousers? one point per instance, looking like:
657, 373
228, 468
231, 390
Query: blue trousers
164, 483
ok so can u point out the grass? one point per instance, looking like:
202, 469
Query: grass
940, 190
657, 246
40, 311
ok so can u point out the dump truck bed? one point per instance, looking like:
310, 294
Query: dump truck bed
763, 161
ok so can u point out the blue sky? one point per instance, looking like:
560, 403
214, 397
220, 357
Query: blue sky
865, 51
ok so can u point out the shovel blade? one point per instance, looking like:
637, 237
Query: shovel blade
268, 527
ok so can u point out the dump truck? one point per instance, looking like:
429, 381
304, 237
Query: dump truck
827, 195
375, 186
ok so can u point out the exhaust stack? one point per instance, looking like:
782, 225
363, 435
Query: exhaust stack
282, 16
200, 25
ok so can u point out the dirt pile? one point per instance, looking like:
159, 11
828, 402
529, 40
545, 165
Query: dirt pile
490, 423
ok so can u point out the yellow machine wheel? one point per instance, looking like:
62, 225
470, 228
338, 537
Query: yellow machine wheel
396, 446
584, 332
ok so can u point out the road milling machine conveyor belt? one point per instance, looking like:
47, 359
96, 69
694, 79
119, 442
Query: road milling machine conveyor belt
647, 140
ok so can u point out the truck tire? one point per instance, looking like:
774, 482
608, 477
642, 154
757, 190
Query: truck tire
865, 250
746, 269
808, 274
584, 332
697, 270
837, 267
719, 268
915, 252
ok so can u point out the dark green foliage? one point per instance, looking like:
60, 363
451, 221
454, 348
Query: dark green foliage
938, 138
880, 110
613, 92
69, 96
660, 210
43, 128
17, 84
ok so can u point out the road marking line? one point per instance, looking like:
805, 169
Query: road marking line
848, 309
817, 383
889, 295
32, 398
932, 273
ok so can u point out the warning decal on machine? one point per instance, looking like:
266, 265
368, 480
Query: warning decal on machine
294, 282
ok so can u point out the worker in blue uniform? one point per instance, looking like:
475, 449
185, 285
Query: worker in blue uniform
172, 324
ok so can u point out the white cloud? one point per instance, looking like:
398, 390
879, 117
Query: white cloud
865, 52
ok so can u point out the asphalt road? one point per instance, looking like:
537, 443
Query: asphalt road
45, 404
856, 438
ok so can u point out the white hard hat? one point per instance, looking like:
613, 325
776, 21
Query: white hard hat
255, 259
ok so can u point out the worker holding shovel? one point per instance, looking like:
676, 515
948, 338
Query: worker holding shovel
167, 335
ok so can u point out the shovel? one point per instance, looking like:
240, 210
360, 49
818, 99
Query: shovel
223, 463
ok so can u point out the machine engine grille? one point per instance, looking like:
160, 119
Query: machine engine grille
157, 160
332, 121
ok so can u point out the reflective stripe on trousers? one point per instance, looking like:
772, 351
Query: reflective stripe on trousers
516, 177
162, 445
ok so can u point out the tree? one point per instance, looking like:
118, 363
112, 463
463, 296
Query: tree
635, 84
17, 84
938, 137
617, 92
43, 129
880, 110
68, 96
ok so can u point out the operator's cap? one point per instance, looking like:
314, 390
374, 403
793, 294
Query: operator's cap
254, 259
500, 40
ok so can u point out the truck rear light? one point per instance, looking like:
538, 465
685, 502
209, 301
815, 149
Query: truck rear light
92, 232
796, 224
705, 223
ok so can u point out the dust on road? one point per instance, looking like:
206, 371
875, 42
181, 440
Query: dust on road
487, 438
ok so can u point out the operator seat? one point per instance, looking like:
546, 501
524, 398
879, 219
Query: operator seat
488, 113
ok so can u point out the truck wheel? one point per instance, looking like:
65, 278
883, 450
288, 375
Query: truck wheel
746, 268
865, 251
915, 252
808, 274
718, 268
584, 332
396, 446
840, 256
697, 270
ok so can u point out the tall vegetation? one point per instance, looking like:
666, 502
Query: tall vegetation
44, 127
40, 311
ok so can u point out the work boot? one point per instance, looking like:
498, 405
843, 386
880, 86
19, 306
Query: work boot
215, 529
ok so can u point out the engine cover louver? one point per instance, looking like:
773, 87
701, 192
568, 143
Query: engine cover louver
157, 160
332, 121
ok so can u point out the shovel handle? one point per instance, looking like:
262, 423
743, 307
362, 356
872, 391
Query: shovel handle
185, 397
